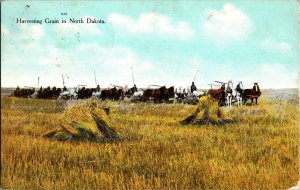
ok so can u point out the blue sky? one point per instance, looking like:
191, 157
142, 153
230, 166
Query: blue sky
165, 43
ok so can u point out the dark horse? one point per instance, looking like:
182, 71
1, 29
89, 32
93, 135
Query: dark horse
251, 94
218, 94
170, 94
161, 94
85, 93
112, 94
131, 91
153, 93
23, 93
48, 93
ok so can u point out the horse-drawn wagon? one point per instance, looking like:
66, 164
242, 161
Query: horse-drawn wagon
70, 94
226, 95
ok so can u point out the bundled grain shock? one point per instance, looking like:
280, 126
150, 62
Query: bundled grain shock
208, 112
86, 122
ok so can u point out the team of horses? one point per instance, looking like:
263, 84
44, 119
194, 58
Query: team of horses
23, 93
48, 93
112, 94
226, 94
85, 93
161, 94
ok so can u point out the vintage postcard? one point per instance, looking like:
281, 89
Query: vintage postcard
149, 94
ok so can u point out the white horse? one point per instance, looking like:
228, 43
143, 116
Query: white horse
238, 93
137, 96
96, 95
179, 95
228, 93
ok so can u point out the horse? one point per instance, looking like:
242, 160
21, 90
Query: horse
85, 93
137, 96
147, 94
55, 92
119, 95
251, 94
40, 93
158, 94
129, 92
112, 94
170, 94
81, 93
180, 95
23, 93
229, 94
44, 93
96, 94
69, 94
238, 93
218, 94
106, 94
48, 93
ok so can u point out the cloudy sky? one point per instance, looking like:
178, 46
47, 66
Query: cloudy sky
164, 42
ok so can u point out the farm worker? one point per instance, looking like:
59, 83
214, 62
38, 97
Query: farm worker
98, 88
134, 88
193, 87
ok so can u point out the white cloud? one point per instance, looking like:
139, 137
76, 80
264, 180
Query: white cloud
268, 75
274, 46
32, 31
55, 57
152, 23
26, 33
116, 57
112, 65
276, 69
276, 75
116, 68
227, 25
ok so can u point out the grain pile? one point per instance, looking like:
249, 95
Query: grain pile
207, 113
85, 122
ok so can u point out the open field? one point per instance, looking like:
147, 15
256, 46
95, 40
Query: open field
258, 151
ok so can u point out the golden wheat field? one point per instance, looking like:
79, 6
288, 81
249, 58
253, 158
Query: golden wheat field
257, 151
